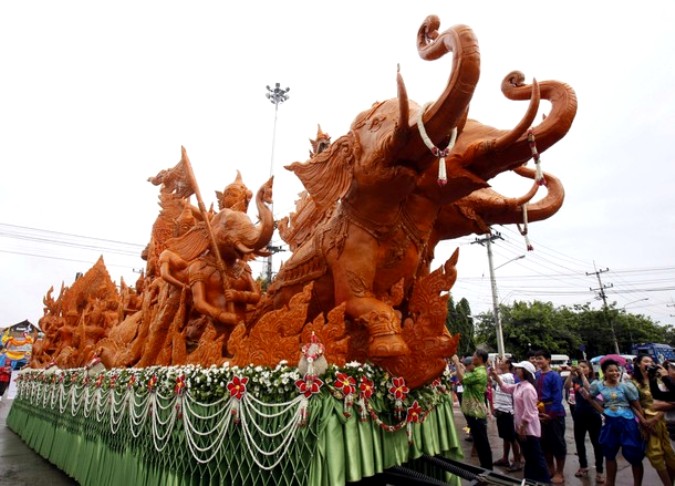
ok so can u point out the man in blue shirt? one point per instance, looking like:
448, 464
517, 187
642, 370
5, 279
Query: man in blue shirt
552, 416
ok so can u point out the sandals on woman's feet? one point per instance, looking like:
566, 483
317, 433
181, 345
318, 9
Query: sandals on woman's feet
581, 473
600, 478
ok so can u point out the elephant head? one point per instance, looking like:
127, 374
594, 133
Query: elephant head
232, 230
384, 154
487, 151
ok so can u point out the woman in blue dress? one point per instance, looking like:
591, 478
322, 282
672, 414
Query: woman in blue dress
620, 406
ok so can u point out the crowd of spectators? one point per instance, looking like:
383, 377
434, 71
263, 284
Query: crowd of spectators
625, 407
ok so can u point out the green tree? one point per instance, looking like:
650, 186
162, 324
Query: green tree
538, 325
460, 321
565, 330
636, 329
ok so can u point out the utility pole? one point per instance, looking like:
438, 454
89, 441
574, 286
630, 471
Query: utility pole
487, 241
603, 296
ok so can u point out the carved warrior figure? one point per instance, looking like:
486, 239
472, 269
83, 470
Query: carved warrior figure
199, 295
74, 323
320, 143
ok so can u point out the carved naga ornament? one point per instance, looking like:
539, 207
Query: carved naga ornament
377, 201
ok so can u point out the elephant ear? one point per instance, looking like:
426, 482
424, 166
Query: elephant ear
190, 245
328, 175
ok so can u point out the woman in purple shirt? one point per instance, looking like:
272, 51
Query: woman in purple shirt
526, 418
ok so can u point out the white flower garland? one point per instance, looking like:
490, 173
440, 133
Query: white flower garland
437, 152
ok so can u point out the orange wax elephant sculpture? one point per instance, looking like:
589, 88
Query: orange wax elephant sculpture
390, 203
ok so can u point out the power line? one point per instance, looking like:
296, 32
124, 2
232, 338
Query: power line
58, 233
91, 262
46, 238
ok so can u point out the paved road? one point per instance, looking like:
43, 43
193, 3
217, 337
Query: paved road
20, 466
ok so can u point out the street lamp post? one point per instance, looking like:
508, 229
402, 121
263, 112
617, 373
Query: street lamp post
623, 309
276, 95
509, 261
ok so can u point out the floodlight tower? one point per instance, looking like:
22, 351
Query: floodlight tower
276, 95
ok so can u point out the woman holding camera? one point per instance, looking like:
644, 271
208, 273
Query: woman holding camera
586, 420
659, 451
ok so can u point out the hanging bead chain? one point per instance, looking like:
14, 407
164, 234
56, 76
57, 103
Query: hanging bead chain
532, 142
539, 179
524, 229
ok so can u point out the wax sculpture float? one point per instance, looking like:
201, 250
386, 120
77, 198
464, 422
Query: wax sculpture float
337, 367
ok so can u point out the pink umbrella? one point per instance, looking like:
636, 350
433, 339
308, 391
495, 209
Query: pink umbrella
615, 357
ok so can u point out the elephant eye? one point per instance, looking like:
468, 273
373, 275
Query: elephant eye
376, 124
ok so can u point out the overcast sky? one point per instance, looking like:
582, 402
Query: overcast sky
97, 96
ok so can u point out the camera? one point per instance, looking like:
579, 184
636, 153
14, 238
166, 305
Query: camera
651, 371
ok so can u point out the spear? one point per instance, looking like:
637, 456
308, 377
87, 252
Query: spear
220, 264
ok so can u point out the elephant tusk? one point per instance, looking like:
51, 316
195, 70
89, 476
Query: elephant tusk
401, 131
243, 249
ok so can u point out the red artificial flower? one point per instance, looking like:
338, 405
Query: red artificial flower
237, 386
132, 380
152, 382
309, 385
345, 383
99, 380
366, 387
437, 384
398, 389
414, 413
180, 384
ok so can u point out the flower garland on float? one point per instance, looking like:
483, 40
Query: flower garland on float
208, 401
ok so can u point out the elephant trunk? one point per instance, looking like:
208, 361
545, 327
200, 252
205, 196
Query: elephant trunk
451, 108
548, 205
261, 237
510, 210
513, 147
485, 207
